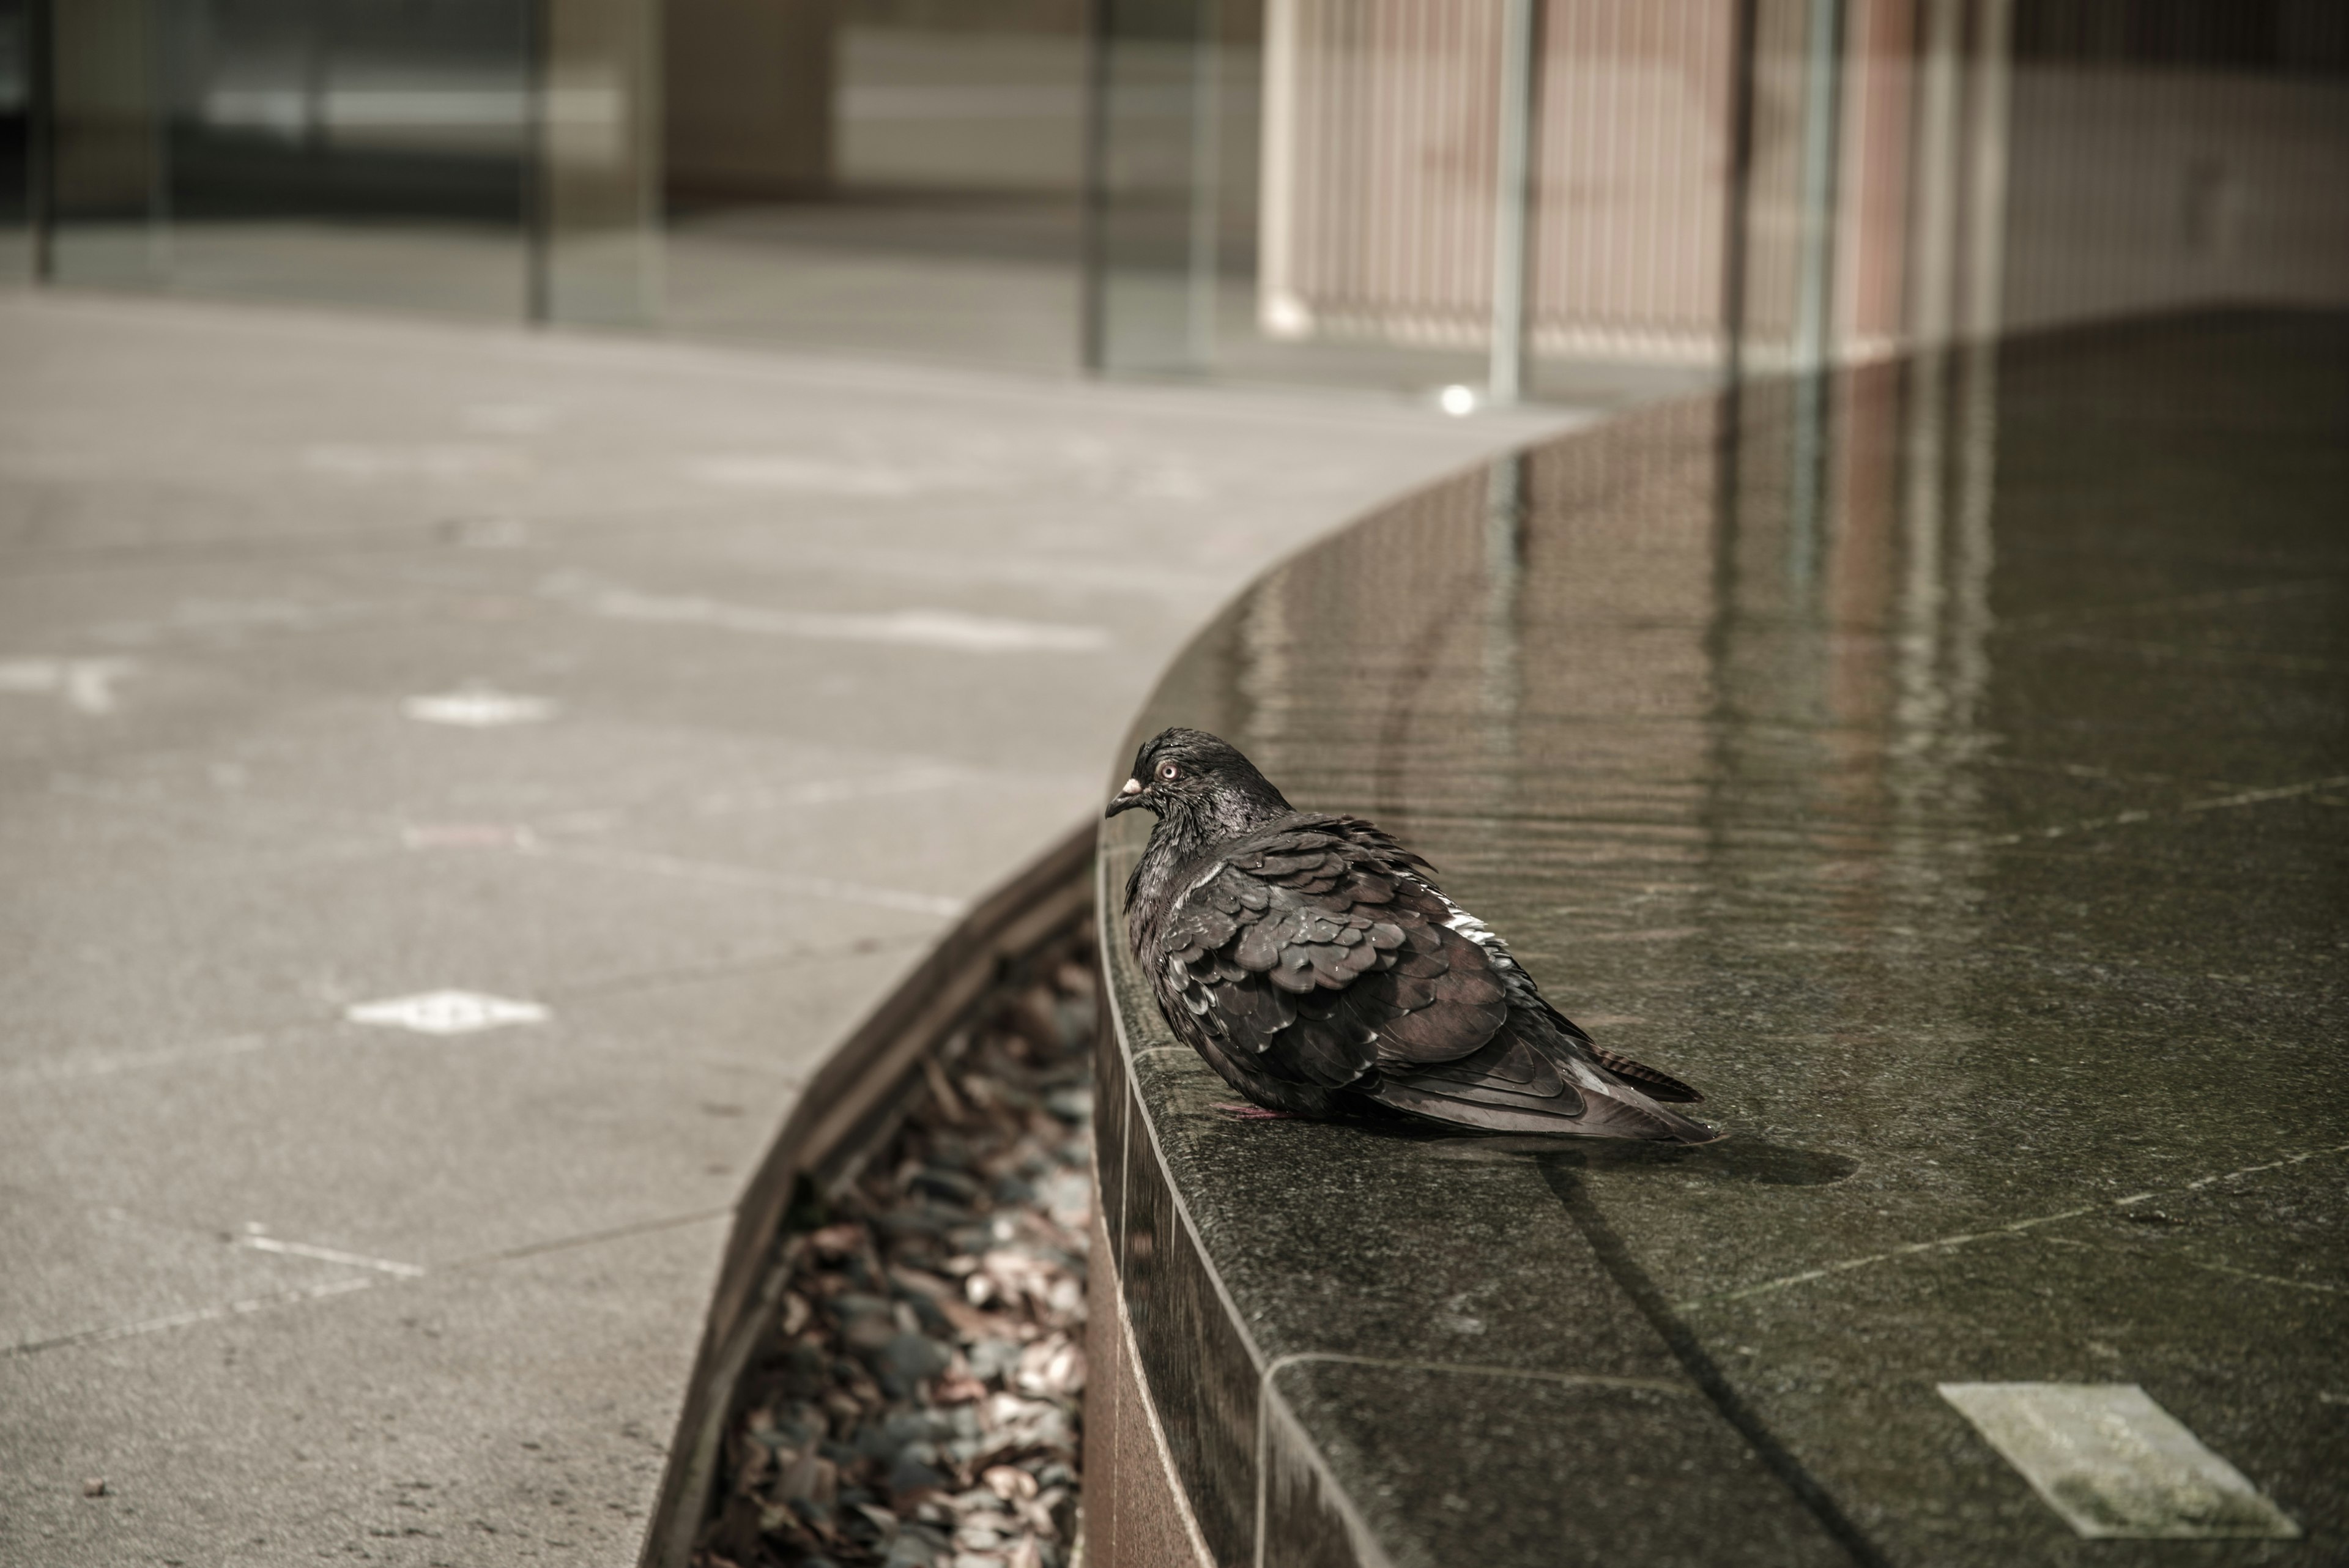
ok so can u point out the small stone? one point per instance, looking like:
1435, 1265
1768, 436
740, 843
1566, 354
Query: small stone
1009, 1481
94, 1487
910, 1475
914, 1357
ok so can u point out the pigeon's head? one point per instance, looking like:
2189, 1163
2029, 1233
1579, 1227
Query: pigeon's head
1191, 775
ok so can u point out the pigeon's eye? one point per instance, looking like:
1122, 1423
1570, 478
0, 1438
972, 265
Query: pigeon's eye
1168, 772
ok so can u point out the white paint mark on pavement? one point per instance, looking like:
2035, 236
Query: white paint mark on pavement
447, 1013
87, 685
943, 629
478, 708
257, 1238
2115, 1465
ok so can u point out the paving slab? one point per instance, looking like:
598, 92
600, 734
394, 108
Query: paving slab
684, 694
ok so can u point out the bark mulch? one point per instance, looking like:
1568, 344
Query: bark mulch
918, 1399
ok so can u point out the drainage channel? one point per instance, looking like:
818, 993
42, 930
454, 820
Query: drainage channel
895, 1378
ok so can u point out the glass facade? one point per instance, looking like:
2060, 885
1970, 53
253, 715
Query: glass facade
17, 53
351, 151
892, 176
1310, 188
1571, 198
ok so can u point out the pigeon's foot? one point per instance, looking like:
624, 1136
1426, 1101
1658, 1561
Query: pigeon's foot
1244, 1113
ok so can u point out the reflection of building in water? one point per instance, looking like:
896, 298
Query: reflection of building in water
1298, 189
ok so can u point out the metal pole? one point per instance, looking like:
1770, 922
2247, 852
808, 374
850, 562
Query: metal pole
1985, 265
1814, 284
1512, 194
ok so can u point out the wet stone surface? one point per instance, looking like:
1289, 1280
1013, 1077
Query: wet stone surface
1950, 776
918, 1400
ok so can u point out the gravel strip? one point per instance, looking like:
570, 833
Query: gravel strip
918, 1399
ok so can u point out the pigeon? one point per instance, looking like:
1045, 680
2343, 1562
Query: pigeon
1316, 965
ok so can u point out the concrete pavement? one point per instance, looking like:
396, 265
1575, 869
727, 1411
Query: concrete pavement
458, 782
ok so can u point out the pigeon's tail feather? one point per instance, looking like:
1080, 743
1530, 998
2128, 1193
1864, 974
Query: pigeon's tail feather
1652, 1081
1624, 1114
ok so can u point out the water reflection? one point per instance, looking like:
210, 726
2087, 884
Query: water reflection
1707, 714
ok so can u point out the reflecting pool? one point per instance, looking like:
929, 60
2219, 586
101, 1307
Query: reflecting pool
1945, 766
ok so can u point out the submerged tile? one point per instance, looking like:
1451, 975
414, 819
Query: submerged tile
2115, 1464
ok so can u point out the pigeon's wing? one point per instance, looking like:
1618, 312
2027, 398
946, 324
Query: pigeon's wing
1311, 956
1315, 953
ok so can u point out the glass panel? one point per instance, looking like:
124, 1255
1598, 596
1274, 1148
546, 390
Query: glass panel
1307, 189
599, 255
1157, 227
889, 175
107, 178
347, 151
1297, 190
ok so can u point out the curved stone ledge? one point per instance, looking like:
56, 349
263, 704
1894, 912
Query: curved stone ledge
1842, 749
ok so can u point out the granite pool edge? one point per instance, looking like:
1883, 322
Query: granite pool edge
1142, 1510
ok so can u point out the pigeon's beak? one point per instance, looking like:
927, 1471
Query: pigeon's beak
1127, 798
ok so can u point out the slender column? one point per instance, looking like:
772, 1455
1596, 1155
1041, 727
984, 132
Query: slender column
1986, 264
1511, 195
1822, 92
1936, 170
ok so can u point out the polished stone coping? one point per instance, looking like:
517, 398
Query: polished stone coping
1918, 763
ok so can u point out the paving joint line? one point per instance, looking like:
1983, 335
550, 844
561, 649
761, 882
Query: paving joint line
1994, 1233
388, 1273
2125, 818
